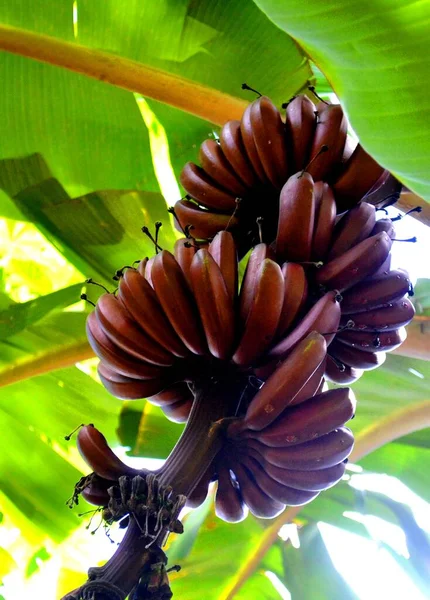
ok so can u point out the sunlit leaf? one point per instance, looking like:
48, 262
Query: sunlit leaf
19, 316
376, 60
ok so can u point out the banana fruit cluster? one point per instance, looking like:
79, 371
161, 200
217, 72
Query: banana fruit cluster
318, 301
242, 174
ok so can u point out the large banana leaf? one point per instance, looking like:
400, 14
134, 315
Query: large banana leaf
375, 55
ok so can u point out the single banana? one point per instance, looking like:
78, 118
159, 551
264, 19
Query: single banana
140, 300
114, 357
322, 453
95, 451
123, 331
214, 304
396, 314
338, 372
311, 419
330, 132
184, 250
205, 224
177, 301
355, 358
300, 127
179, 411
325, 218
263, 317
356, 264
376, 292
279, 492
295, 296
296, 219
229, 505
355, 226
215, 164
259, 253
232, 145
323, 318
205, 190
223, 251
286, 382
247, 133
258, 502
132, 389
269, 138
382, 341
313, 481
358, 175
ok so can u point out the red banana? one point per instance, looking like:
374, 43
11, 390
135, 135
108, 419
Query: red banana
296, 219
357, 263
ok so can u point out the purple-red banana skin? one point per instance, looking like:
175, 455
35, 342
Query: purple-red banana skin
184, 251
205, 224
138, 297
214, 303
355, 226
322, 453
219, 169
393, 316
325, 218
247, 133
179, 411
357, 263
114, 357
359, 174
383, 341
232, 145
376, 292
279, 492
355, 358
323, 318
269, 137
314, 418
340, 373
300, 127
286, 382
94, 449
258, 502
296, 219
262, 321
295, 295
205, 190
223, 250
229, 504
330, 131
259, 253
313, 481
134, 389
123, 331
177, 302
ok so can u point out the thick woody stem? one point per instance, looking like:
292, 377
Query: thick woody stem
201, 440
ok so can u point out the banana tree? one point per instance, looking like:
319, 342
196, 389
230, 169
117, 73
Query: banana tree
105, 104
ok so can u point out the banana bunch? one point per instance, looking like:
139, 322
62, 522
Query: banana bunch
242, 174
318, 301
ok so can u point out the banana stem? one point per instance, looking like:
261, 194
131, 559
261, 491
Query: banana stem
199, 100
199, 443
202, 437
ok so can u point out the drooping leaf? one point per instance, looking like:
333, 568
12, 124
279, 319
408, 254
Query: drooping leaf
376, 58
